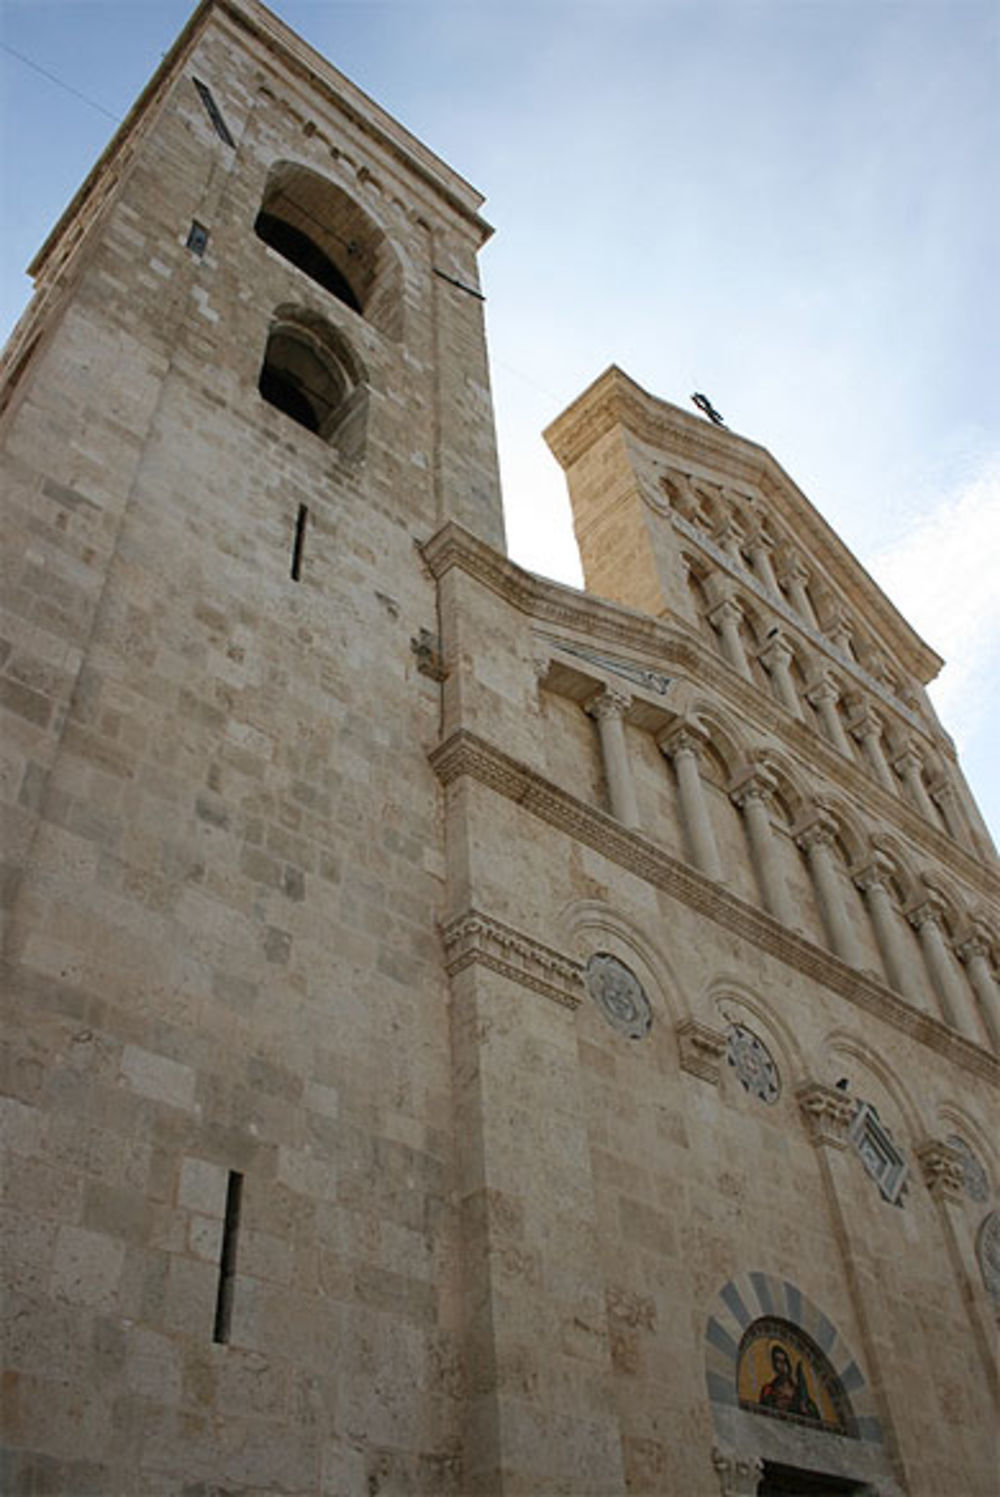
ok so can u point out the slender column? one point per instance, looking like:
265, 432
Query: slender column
824, 696
776, 658
759, 550
795, 580
751, 795
944, 797
974, 952
683, 747
873, 881
954, 1007
725, 618
608, 708
839, 635
867, 729
909, 765
816, 841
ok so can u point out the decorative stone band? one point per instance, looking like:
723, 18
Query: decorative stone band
702, 1049
475, 938
943, 1169
827, 1113
465, 754
750, 1296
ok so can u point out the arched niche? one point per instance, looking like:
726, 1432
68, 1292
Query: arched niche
325, 233
311, 373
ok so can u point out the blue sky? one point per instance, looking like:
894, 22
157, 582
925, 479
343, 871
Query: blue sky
791, 204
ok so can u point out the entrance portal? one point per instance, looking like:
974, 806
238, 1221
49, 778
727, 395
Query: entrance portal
791, 1481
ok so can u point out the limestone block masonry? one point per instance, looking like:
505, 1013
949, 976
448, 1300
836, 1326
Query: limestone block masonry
462, 1035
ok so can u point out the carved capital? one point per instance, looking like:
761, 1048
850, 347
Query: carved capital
929, 912
728, 611
867, 723
943, 1169
701, 1049
818, 832
607, 702
776, 653
739, 1475
753, 783
683, 737
875, 874
973, 945
823, 689
909, 759
827, 1113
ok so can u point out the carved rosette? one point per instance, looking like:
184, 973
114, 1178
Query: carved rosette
701, 1050
619, 995
827, 1113
753, 1063
943, 1170
988, 1254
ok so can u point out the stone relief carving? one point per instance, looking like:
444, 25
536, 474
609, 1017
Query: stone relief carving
652, 680
753, 1063
619, 995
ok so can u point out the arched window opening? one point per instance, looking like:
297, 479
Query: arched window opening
317, 227
310, 373
781, 1372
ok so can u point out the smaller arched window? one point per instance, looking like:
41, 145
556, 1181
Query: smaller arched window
311, 373
782, 1372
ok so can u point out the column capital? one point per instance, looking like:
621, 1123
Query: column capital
827, 1113
682, 737
701, 1049
818, 831
729, 538
866, 723
727, 610
753, 782
739, 1475
976, 942
875, 874
607, 701
794, 568
909, 757
928, 912
776, 649
943, 1169
823, 689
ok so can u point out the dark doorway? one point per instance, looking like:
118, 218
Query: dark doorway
792, 1481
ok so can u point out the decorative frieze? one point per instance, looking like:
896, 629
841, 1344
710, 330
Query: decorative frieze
701, 1050
827, 1112
475, 938
942, 1169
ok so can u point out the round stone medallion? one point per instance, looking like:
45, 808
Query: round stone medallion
753, 1063
988, 1253
619, 995
977, 1187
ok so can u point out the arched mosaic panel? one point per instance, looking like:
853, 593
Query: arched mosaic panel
782, 1373
754, 1299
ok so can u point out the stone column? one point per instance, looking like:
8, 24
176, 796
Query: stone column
795, 579
725, 618
944, 797
683, 746
816, 841
751, 795
608, 708
776, 658
824, 695
867, 729
951, 996
909, 765
839, 635
758, 548
873, 881
974, 952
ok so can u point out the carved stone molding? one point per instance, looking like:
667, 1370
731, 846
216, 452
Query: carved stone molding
827, 1113
702, 1049
942, 1168
652, 680
466, 754
739, 1475
475, 938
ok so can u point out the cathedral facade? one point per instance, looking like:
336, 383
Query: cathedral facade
463, 1035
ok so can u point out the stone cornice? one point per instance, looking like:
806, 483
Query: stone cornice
473, 939
614, 399
464, 754
654, 644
